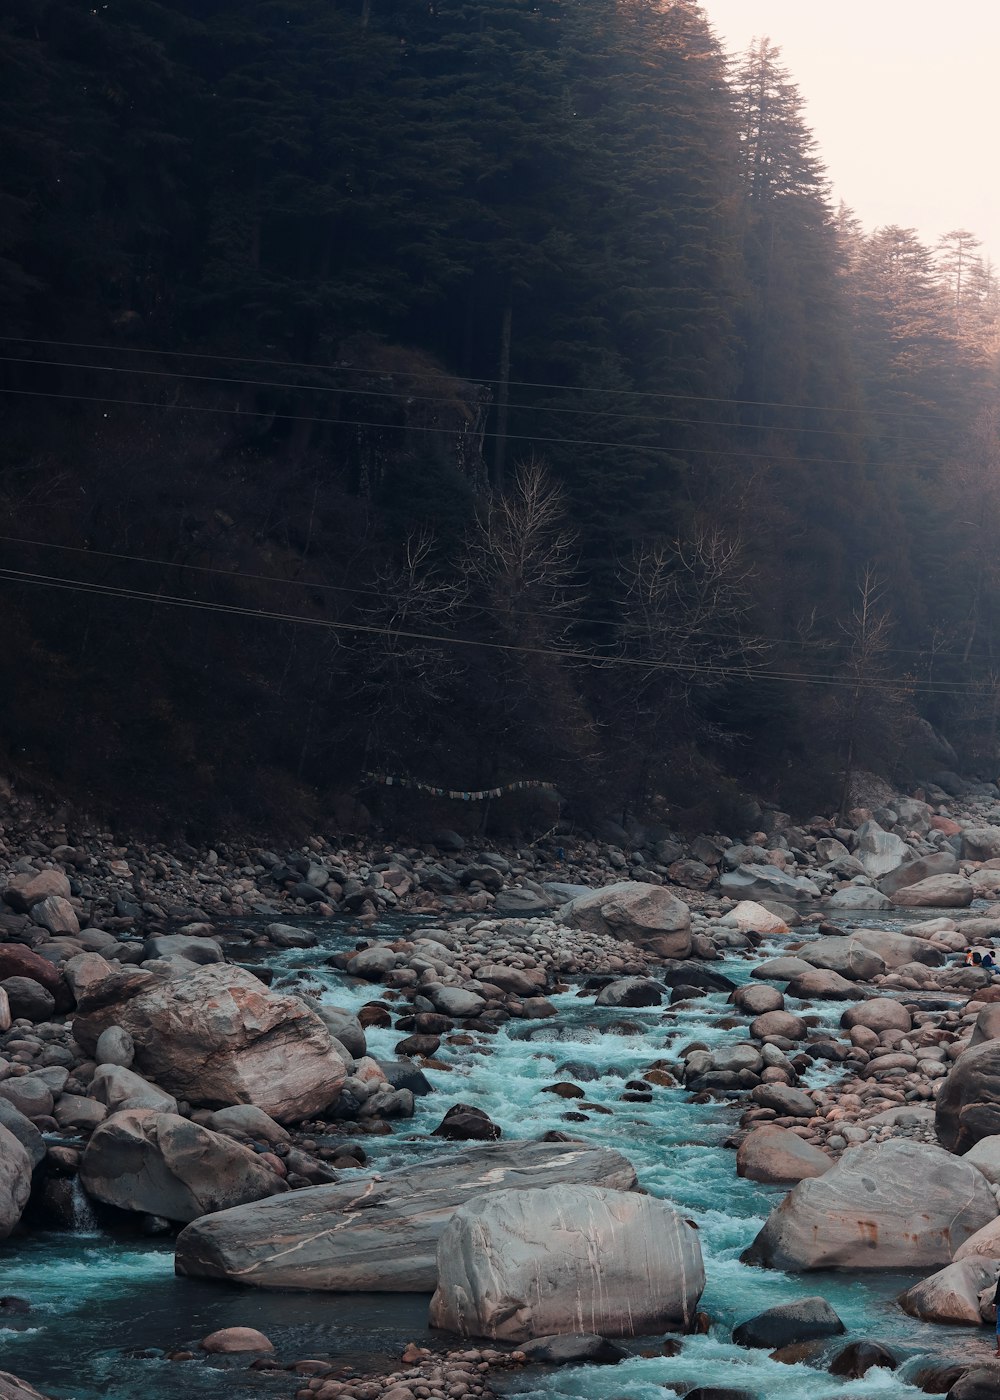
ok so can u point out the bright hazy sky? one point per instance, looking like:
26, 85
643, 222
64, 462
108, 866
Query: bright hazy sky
902, 98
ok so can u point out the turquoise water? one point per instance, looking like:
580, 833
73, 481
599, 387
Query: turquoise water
96, 1299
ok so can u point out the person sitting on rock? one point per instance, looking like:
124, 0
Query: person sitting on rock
968, 957
987, 961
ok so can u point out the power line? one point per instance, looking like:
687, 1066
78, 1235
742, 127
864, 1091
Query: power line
81, 586
88, 552
468, 379
675, 452
406, 396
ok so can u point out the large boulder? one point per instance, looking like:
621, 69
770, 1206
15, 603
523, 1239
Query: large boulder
848, 956
27, 890
911, 872
380, 1234
952, 1294
217, 1036
15, 1181
159, 1164
520, 1264
646, 915
936, 892
778, 1156
630, 991
895, 1205
898, 949
879, 851
968, 1101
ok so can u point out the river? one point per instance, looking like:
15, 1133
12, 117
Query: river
104, 1310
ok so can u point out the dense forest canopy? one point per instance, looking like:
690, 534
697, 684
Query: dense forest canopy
475, 391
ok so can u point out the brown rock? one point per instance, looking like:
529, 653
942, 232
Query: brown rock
219, 1036
777, 1155
18, 961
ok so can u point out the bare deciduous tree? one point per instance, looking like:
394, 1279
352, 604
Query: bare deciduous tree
686, 605
522, 557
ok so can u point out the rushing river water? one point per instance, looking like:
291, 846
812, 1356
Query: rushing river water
104, 1310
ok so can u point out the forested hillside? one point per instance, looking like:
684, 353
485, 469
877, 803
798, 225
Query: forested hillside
475, 391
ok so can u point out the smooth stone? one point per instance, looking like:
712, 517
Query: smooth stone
776, 1155
649, 916
780, 1326
952, 1294
519, 1264
159, 1164
891, 1205
967, 1107
379, 1234
235, 1339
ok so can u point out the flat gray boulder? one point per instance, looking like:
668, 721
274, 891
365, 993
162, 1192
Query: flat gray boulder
767, 882
649, 916
380, 1234
519, 1264
159, 1164
894, 1205
858, 897
201, 951
24, 1130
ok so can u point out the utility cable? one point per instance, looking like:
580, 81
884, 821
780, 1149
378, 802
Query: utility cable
568, 619
720, 672
408, 397
467, 379
676, 452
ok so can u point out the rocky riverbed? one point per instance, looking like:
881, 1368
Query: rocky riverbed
481, 1084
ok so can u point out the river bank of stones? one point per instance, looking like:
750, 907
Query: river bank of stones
131, 1045
877, 859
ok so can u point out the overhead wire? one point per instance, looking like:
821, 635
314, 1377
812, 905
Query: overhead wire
676, 453
409, 397
87, 552
468, 379
33, 579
